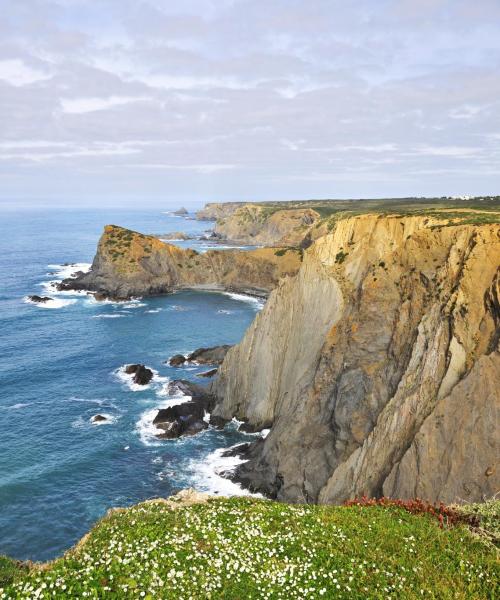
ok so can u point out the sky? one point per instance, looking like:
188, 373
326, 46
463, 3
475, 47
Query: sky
146, 102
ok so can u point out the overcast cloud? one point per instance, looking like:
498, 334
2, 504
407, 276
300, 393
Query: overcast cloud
103, 101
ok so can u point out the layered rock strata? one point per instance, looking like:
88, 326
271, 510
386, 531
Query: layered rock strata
377, 366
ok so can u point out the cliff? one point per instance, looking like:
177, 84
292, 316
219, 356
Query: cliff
217, 210
129, 264
266, 225
377, 366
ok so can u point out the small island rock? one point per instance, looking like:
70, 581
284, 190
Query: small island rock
142, 375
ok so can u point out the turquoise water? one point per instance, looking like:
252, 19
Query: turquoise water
59, 366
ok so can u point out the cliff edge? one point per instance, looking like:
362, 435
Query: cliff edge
377, 366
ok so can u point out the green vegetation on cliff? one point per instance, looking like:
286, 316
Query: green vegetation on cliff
243, 548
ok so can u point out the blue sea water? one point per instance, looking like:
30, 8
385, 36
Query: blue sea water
59, 366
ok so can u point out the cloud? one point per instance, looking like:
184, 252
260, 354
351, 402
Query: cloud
78, 106
248, 99
17, 73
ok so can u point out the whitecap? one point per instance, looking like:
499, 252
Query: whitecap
52, 303
133, 304
222, 311
146, 430
207, 474
99, 401
70, 270
18, 406
178, 308
115, 316
257, 302
153, 310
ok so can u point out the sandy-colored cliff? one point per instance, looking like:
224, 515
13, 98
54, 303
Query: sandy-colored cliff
265, 225
377, 366
217, 210
129, 264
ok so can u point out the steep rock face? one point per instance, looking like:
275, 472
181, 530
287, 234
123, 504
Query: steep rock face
217, 210
128, 264
356, 357
258, 224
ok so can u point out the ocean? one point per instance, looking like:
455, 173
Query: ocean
60, 365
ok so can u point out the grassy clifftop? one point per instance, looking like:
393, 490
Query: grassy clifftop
243, 548
290, 222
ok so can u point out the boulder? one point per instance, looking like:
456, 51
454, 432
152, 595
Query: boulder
142, 375
98, 419
39, 299
209, 356
177, 360
210, 373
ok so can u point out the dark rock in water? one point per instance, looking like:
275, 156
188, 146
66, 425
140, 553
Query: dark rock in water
248, 428
100, 297
211, 356
197, 392
182, 419
210, 373
177, 360
239, 450
181, 211
142, 375
39, 299
186, 418
217, 422
98, 419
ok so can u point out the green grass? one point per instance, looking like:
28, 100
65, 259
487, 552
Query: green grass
242, 548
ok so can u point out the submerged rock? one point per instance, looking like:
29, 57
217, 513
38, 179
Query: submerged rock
142, 375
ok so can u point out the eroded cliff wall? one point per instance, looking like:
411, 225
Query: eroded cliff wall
128, 264
376, 366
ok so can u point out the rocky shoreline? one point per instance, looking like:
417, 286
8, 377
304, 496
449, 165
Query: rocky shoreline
372, 336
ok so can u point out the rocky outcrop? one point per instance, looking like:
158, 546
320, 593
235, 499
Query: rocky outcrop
187, 418
39, 299
141, 374
209, 356
217, 210
130, 264
181, 212
265, 225
174, 235
203, 356
376, 366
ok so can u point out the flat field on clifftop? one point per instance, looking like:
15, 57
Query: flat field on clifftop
243, 548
